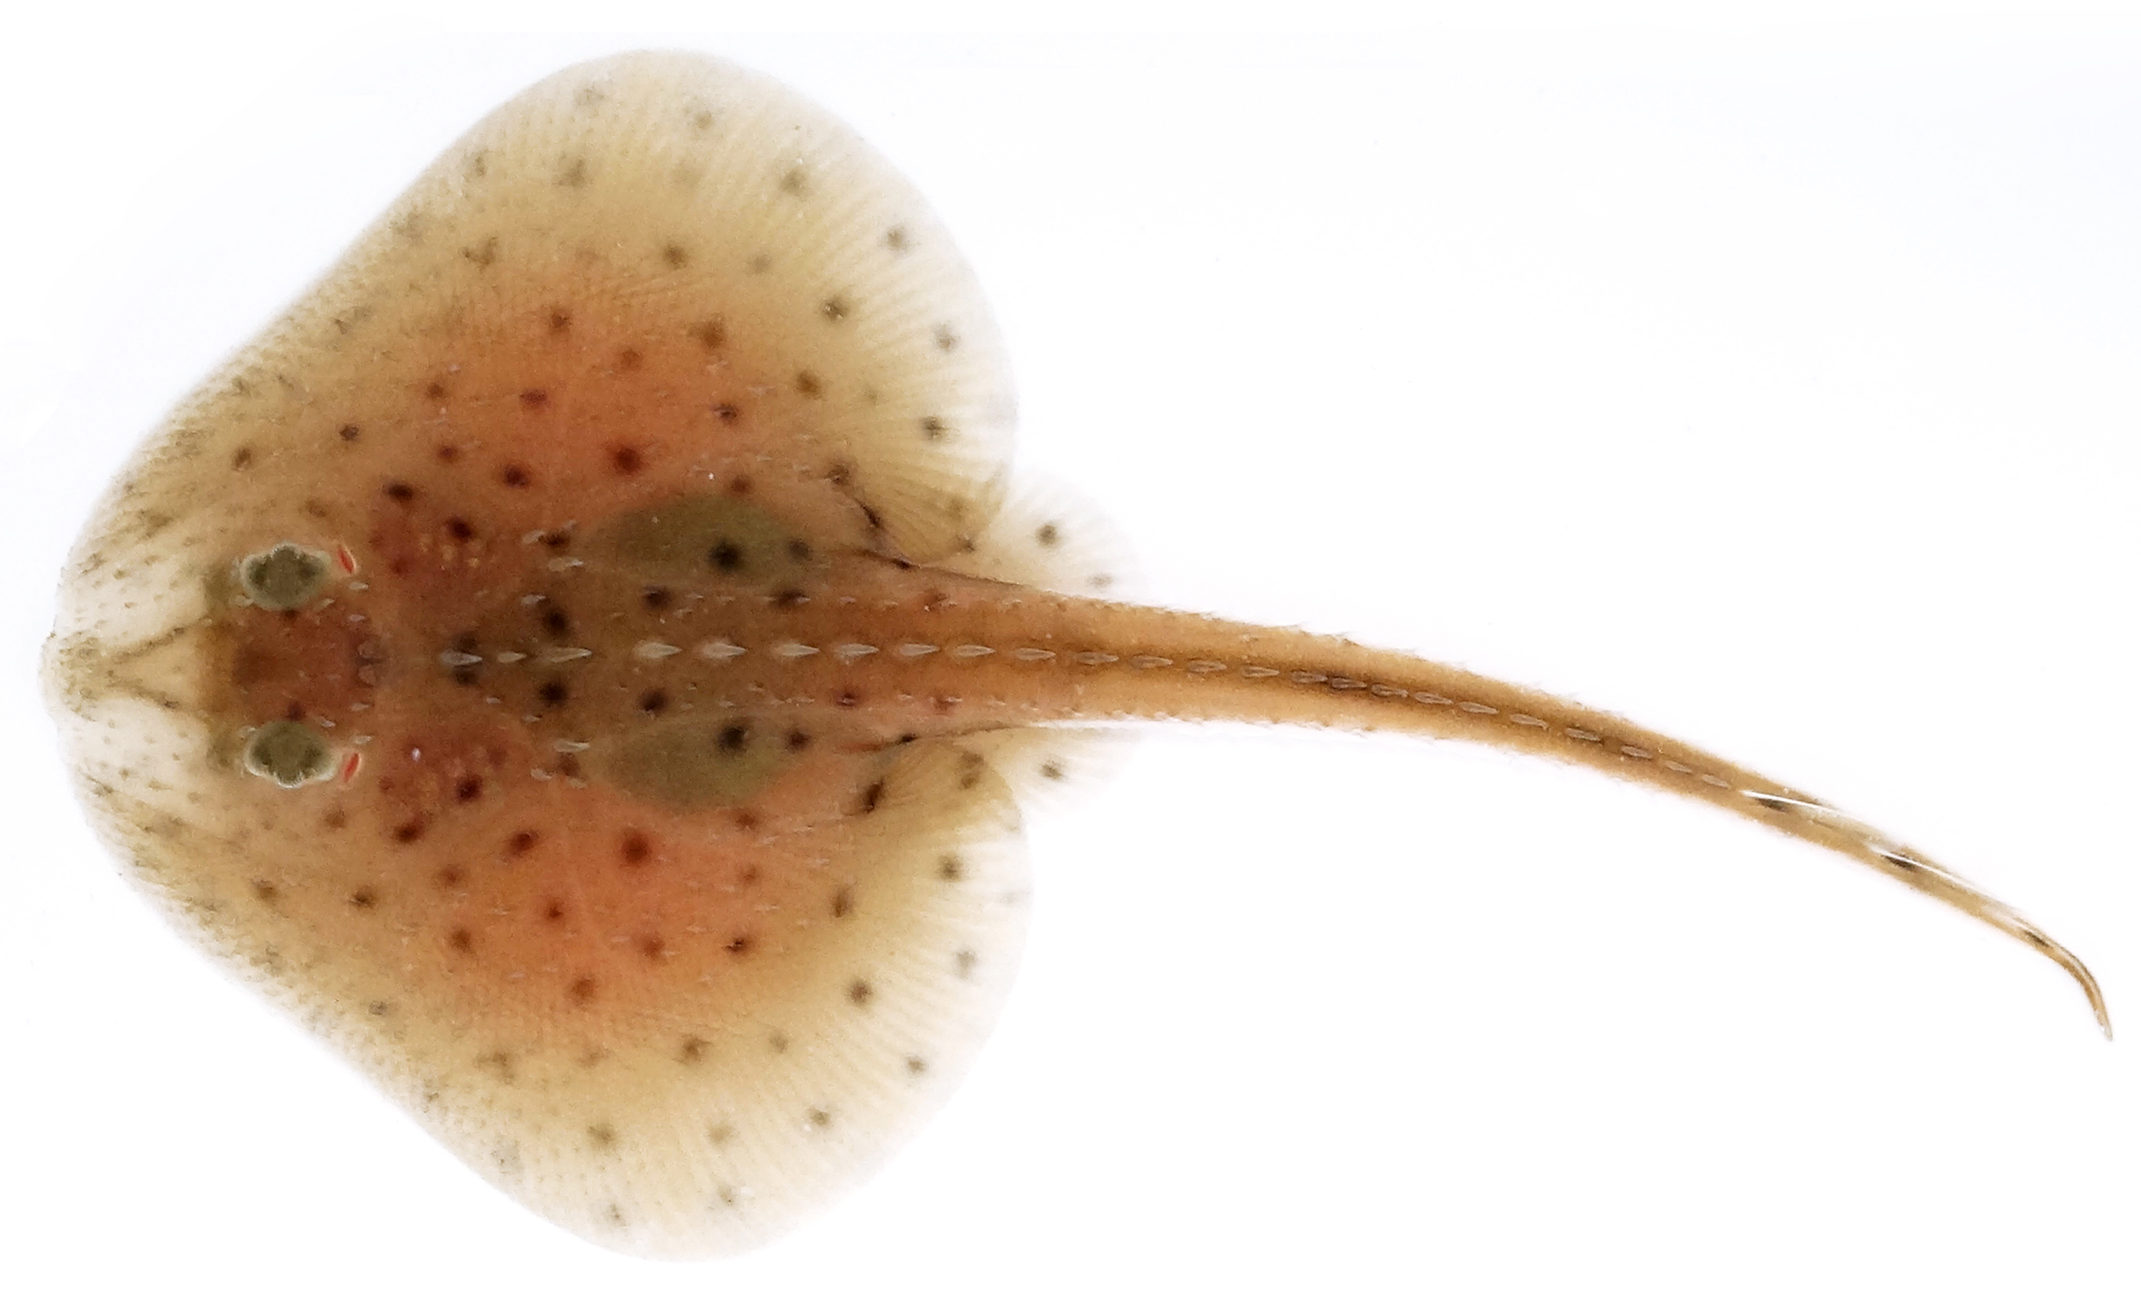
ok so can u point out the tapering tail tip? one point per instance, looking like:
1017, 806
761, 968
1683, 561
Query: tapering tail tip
2076, 970
2095, 995
2066, 960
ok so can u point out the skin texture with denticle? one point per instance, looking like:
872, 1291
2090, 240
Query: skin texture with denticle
584, 661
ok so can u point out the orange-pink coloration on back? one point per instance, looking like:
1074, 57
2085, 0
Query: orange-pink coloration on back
582, 660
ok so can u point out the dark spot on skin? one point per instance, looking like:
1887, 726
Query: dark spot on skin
435, 390
335, 818
808, 384
933, 428
843, 903
409, 831
1048, 535
513, 475
794, 181
674, 256
834, 309
521, 842
710, 333
634, 849
364, 899
906, 737
615, 1215
916, 1065
799, 550
1051, 771
582, 989
242, 458
627, 460
692, 1050
727, 413
726, 556
797, 741
379, 1009
603, 1135
777, 1042
656, 598
653, 701
859, 992
721, 1133
963, 961
840, 473
552, 692
560, 321
740, 485
458, 528
739, 945
534, 398
349, 432
819, 1118
573, 174
461, 940
557, 540
747, 821
554, 910
265, 891
447, 454
482, 254
847, 699
946, 339
734, 738
789, 597
896, 238
629, 359
872, 796
950, 868
652, 947
401, 493
467, 789
450, 876
569, 766
555, 621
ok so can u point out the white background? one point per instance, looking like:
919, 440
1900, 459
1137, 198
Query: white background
1774, 385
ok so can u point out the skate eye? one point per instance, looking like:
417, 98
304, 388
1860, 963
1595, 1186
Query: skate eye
290, 753
286, 577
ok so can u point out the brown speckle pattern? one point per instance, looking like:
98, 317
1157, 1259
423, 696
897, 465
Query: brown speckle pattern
675, 660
